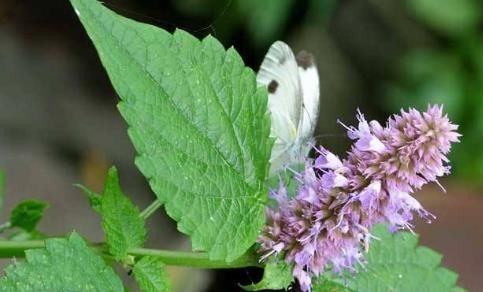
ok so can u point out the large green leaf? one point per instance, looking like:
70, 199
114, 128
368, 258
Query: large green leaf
396, 263
121, 221
151, 275
198, 123
63, 265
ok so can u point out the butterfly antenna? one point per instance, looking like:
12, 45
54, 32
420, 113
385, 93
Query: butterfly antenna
145, 16
220, 14
171, 24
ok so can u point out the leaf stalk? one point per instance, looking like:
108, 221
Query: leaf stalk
155, 205
200, 260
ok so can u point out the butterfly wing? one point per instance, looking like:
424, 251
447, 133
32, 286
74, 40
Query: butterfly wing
279, 72
309, 78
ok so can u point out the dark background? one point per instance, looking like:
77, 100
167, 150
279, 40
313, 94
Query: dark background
59, 124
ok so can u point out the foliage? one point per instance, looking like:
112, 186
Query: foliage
121, 222
395, 263
27, 214
24, 217
151, 275
94, 198
210, 176
276, 275
201, 131
63, 265
326, 284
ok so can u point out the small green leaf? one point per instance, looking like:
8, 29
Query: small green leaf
63, 265
151, 275
198, 122
396, 263
27, 214
94, 198
277, 275
123, 226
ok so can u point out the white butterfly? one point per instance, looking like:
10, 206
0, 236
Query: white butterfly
293, 101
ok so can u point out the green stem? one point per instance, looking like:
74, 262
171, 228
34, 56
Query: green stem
196, 260
155, 205
10, 249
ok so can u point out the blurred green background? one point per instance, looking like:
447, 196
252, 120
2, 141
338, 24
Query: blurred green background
59, 124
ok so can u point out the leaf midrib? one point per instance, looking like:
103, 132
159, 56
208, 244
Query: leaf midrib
227, 118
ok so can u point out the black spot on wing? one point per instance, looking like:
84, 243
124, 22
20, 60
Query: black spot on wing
272, 86
305, 59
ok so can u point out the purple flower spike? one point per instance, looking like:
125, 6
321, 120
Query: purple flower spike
327, 223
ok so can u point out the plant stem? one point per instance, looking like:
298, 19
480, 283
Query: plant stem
196, 260
155, 205
10, 249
